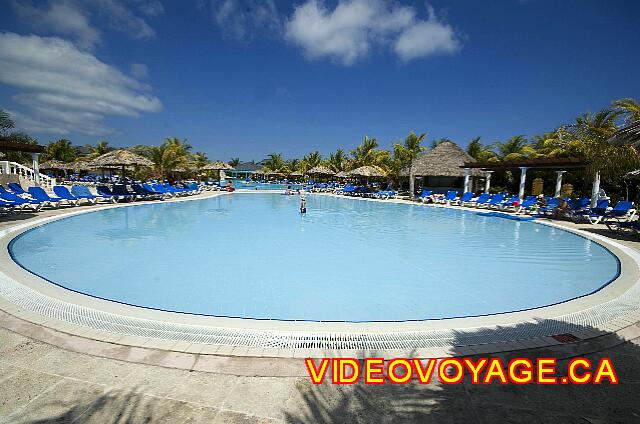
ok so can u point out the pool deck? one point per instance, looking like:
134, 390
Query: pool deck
51, 374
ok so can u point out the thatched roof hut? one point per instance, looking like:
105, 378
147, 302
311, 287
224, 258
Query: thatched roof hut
321, 170
343, 174
444, 160
217, 165
56, 164
120, 157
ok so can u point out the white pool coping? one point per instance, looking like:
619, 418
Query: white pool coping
36, 300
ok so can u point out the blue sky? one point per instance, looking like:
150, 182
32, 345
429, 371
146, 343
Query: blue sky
247, 78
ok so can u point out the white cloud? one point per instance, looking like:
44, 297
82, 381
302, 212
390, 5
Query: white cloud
77, 19
426, 38
60, 18
67, 90
239, 19
139, 70
350, 31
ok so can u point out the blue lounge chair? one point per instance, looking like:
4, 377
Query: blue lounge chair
594, 215
63, 193
509, 202
496, 201
121, 190
450, 196
16, 188
145, 193
38, 193
425, 195
465, 198
160, 189
82, 192
104, 191
527, 204
483, 199
6, 206
20, 201
623, 211
549, 208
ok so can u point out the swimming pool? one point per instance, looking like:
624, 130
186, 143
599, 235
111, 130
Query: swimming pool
253, 255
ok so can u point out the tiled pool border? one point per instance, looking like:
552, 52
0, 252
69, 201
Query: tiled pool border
30, 298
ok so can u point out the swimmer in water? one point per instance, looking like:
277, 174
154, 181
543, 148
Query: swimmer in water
303, 205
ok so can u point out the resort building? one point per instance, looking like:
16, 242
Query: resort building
442, 169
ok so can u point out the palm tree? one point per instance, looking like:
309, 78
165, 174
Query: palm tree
61, 150
275, 163
593, 131
368, 153
479, 151
292, 165
404, 154
234, 162
337, 161
516, 148
311, 160
6, 123
100, 148
628, 107
199, 160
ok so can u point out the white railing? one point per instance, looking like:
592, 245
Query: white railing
14, 168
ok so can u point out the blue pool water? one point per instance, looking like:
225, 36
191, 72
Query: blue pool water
254, 255
252, 185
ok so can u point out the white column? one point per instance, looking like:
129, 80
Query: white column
523, 181
559, 182
487, 181
467, 173
412, 183
595, 189
36, 168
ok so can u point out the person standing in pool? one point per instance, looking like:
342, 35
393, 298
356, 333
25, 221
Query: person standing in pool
303, 205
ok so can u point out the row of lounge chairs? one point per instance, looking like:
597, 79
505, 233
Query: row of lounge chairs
14, 198
364, 191
575, 209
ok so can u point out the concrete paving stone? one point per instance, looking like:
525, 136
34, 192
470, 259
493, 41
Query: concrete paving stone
26, 351
169, 359
63, 404
8, 340
205, 388
510, 395
108, 372
250, 394
122, 406
6, 370
153, 380
61, 362
22, 387
231, 417
507, 415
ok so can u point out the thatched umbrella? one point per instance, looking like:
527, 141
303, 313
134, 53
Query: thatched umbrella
367, 171
121, 158
217, 165
80, 165
629, 134
56, 164
297, 174
321, 170
343, 174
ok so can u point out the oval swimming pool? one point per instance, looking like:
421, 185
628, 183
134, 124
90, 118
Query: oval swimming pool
253, 255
